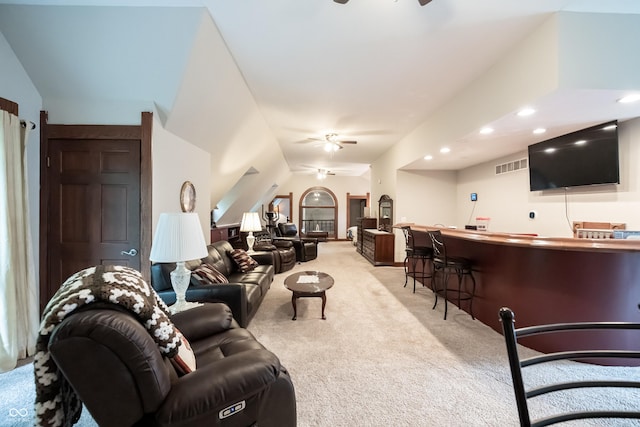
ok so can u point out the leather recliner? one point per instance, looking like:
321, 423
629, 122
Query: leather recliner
284, 253
118, 372
306, 247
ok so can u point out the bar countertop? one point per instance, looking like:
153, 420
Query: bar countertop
550, 280
557, 243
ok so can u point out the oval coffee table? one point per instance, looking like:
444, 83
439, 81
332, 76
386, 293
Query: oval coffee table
307, 284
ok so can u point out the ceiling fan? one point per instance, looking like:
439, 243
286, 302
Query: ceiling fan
332, 143
422, 2
320, 172
323, 173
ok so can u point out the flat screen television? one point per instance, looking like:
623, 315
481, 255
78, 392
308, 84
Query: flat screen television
585, 157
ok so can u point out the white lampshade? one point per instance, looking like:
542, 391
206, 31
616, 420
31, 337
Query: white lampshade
178, 238
250, 222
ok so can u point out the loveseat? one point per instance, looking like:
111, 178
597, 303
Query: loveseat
244, 292
119, 373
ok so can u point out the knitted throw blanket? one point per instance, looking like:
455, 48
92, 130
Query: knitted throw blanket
56, 403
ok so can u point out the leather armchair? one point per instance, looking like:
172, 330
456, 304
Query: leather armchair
118, 372
284, 253
306, 247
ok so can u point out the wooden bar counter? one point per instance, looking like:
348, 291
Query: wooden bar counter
551, 280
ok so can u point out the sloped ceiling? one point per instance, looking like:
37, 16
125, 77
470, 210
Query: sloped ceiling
242, 78
98, 64
92, 54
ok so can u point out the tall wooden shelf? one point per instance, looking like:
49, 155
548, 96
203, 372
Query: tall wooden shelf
378, 246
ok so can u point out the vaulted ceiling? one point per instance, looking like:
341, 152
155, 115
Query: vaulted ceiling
369, 70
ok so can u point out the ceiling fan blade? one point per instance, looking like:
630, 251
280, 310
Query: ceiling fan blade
422, 2
348, 142
308, 140
341, 1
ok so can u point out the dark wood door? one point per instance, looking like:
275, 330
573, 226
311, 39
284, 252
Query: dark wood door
95, 208
95, 201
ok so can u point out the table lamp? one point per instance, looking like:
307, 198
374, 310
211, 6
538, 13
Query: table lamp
250, 223
179, 238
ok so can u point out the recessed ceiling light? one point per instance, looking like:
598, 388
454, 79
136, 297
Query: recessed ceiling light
428, 157
445, 150
486, 131
538, 131
526, 112
629, 98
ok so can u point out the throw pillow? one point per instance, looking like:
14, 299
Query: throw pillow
207, 273
244, 261
185, 360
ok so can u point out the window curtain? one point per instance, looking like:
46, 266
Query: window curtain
19, 315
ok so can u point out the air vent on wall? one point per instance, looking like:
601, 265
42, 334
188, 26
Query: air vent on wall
516, 165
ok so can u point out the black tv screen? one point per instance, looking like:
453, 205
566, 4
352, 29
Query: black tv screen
584, 157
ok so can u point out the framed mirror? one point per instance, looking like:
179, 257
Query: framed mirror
385, 213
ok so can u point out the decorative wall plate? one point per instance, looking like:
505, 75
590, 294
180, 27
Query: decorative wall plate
188, 197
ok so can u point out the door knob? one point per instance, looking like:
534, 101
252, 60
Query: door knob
131, 252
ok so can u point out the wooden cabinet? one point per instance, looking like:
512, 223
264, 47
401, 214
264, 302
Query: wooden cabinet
230, 233
362, 224
378, 246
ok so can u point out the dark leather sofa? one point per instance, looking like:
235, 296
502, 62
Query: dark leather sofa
118, 372
244, 292
306, 247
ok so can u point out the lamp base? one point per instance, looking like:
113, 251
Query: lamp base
180, 278
251, 240
182, 306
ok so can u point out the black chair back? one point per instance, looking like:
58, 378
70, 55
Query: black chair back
516, 365
288, 229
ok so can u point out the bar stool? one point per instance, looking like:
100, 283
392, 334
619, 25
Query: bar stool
448, 265
415, 253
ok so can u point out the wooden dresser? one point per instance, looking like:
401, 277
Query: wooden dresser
362, 224
378, 246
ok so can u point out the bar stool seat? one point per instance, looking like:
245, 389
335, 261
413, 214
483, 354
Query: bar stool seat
417, 253
448, 265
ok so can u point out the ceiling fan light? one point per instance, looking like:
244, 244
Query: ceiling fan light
330, 147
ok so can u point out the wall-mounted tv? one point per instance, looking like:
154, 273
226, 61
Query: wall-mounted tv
585, 157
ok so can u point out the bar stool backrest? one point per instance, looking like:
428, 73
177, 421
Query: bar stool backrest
439, 249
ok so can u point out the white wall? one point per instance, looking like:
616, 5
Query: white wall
507, 200
174, 162
426, 198
339, 185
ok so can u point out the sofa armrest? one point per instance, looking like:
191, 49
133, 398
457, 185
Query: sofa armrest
202, 321
283, 244
261, 247
201, 394
263, 257
233, 295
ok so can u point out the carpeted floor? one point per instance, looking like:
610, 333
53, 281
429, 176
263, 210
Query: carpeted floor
383, 357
